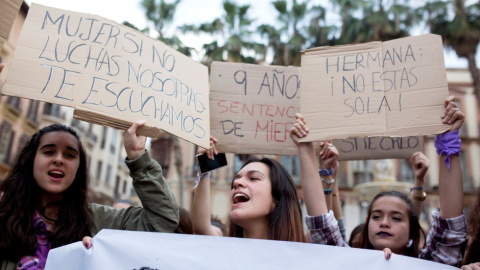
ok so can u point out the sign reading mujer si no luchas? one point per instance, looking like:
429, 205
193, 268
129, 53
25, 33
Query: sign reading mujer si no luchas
395, 88
111, 74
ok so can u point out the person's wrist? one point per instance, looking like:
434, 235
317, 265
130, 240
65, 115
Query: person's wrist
131, 155
327, 191
416, 188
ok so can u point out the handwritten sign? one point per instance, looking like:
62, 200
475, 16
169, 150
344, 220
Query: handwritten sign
8, 12
111, 74
115, 249
395, 88
378, 147
253, 107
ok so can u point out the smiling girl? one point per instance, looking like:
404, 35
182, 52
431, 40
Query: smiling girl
43, 201
392, 223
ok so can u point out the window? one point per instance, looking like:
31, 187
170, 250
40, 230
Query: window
407, 174
362, 171
109, 174
52, 110
33, 111
113, 141
6, 138
99, 169
14, 102
21, 143
116, 188
104, 137
124, 189
292, 165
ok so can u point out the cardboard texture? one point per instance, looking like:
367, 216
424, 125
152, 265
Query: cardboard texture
378, 147
113, 74
253, 107
8, 12
395, 89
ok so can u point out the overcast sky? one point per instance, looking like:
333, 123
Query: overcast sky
189, 12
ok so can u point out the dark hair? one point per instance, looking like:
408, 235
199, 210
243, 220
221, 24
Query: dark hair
215, 221
285, 220
21, 198
185, 224
415, 230
473, 251
357, 230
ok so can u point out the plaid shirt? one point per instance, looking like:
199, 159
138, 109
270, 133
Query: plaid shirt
38, 261
446, 240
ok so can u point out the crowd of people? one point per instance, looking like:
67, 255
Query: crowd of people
43, 202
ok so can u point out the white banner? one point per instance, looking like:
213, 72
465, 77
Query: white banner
114, 249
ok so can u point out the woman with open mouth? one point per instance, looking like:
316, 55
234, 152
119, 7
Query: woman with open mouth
43, 201
263, 198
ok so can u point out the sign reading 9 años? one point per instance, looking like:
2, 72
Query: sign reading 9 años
253, 107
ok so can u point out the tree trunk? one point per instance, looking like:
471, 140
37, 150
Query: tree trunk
472, 66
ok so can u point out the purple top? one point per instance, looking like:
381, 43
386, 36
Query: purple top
38, 261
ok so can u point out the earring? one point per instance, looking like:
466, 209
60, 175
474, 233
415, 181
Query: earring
410, 242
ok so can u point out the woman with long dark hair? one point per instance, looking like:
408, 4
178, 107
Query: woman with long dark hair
392, 224
43, 203
263, 199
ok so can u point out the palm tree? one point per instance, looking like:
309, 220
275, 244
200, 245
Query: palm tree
379, 20
161, 14
460, 31
300, 26
233, 28
290, 23
319, 33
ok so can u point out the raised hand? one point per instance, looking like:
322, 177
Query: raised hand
453, 116
134, 144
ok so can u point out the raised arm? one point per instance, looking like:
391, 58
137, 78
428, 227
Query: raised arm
201, 212
420, 164
447, 238
449, 146
311, 183
322, 224
160, 210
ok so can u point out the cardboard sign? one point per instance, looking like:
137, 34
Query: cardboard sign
395, 89
8, 12
253, 107
378, 147
128, 250
112, 74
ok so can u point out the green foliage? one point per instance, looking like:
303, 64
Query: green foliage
459, 26
233, 29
